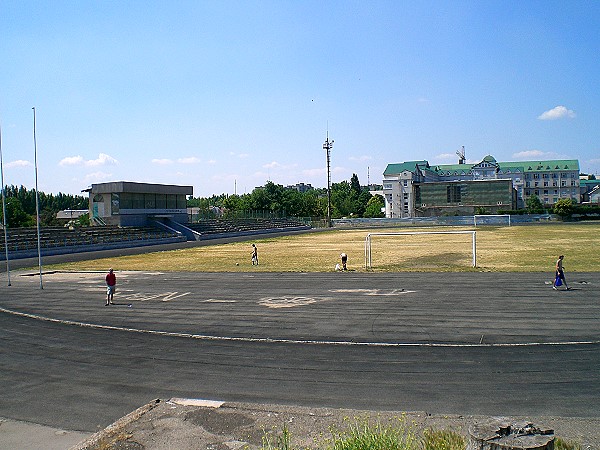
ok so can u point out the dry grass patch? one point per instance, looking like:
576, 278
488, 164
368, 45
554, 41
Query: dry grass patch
526, 248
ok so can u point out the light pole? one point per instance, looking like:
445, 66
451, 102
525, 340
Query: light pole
37, 201
327, 146
4, 221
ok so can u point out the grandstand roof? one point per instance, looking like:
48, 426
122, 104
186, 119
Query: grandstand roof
145, 188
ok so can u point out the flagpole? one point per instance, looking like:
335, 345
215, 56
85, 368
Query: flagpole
37, 201
4, 210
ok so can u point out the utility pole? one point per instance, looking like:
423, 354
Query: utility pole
327, 146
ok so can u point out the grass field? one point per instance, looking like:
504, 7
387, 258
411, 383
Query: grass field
524, 248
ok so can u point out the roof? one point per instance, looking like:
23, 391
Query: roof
145, 188
411, 166
555, 165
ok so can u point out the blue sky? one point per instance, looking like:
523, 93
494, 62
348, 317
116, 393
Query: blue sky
225, 95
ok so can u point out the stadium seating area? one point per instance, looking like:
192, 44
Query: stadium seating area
23, 239
242, 226
54, 240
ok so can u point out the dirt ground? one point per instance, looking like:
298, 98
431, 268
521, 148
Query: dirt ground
193, 424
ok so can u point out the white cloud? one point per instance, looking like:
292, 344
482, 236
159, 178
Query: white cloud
97, 176
529, 154
102, 160
189, 160
537, 155
162, 162
19, 163
211, 161
272, 165
558, 112
314, 172
71, 161
243, 155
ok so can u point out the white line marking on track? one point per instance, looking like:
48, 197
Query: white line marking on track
285, 341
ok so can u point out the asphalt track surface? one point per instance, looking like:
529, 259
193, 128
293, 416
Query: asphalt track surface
466, 343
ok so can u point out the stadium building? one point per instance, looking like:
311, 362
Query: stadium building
418, 189
125, 203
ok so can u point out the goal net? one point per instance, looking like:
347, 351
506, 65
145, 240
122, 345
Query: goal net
421, 250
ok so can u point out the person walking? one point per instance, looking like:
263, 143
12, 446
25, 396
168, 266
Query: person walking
111, 285
254, 255
559, 276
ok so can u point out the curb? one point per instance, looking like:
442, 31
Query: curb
95, 438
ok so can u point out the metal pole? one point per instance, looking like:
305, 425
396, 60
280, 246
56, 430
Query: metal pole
327, 146
474, 250
4, 210
37, 201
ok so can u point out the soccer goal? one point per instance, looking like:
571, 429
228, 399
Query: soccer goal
491, 219
370, 236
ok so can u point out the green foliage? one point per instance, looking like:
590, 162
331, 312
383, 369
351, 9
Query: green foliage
363, 436
374, 206
16, 215
21, 209
348, 199
563, 207
560, 444
442, 440
278, 442
534, 205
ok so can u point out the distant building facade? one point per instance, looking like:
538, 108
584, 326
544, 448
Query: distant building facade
418, 189
125, 203
301, 187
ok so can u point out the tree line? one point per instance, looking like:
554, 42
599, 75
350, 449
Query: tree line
21, 208
348, 199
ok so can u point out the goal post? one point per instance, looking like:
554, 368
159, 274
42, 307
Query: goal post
484, 219
369, 237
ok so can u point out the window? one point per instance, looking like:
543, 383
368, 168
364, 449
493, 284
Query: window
536, 176
405, 183
150, 201
453, 193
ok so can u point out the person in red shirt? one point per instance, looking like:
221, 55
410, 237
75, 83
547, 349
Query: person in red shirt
111, 284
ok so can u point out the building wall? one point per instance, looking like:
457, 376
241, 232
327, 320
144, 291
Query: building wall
464, 197
406, 183
134, 204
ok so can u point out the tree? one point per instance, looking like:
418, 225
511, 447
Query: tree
16, 217
534, 205
374, 206
563, 207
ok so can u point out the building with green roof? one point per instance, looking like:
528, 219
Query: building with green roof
418, 189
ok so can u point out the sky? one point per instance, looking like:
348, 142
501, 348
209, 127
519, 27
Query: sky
226, 95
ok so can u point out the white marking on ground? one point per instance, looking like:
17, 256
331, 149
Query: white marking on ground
142, 297
217, 300
286, 302
383, 292
286, 341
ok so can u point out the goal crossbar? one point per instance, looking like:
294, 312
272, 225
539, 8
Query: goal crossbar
368, 242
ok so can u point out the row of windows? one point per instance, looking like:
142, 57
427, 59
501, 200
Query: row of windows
563, 183
127, 200
537, 176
